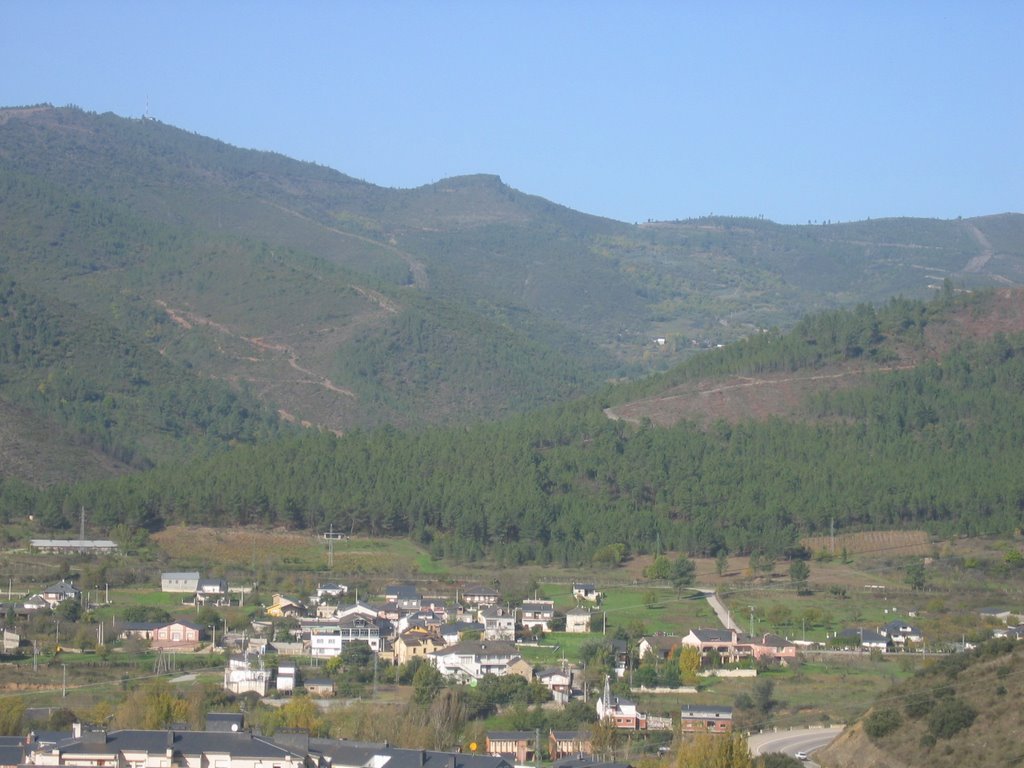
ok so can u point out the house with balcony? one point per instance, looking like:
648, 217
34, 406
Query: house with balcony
537, 615
712, 718
480, 596
727, 643
499, 623
329, 638
472, 659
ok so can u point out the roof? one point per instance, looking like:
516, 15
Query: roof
774, 641
347, 753
480, 591
586, 762
12, 754
139, 626
707, 711
661, 642
497, 612
61, 588
539, 606
511, 735
73, 544
713, 635
180, 575
178, 622
183, 742
480, 648
578, 611
865, 635
403, 591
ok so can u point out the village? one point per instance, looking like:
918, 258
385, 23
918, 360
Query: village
466, 633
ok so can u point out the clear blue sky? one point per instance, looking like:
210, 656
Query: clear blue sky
797, 111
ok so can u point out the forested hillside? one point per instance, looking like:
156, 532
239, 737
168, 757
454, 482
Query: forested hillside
344, 305
939, 446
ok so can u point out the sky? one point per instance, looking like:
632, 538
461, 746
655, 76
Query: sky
795, 111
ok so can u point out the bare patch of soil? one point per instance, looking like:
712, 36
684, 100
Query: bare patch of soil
784, 395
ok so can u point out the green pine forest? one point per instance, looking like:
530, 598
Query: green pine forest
936, 446
196, 333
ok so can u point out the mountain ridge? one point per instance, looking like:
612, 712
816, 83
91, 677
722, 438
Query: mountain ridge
347, 305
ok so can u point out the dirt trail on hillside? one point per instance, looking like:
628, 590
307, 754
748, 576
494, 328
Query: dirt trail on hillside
188, 320
776, 395
417, 268
977, 263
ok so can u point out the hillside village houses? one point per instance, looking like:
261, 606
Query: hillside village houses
225, 742
464, 639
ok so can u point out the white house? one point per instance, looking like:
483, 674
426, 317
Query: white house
59, 592
329, 591
577, 620
182, 581
287, 672
538, 614
330, 638
586, 592
472, 659
242, 676
499, 623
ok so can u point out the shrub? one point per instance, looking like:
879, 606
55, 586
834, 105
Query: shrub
949, 717
918, 704
882, 722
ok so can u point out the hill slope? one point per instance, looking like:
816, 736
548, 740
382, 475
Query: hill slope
959, 711
753, 394
341, 304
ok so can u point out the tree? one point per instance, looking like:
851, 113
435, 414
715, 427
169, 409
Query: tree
426, 683
604, 738
682, 573
722, 562
661, 568
689, 664
719, 750
914, 574
301, 712
447, 718
151, 707
762, 695
10, 717
799, 573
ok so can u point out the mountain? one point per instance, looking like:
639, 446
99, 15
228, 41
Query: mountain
167, 264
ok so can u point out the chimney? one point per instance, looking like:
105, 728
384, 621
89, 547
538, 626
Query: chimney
423, 757
76, 730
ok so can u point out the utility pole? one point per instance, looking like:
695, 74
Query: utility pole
330, 548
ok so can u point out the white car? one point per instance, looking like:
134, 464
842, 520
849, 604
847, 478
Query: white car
801, 756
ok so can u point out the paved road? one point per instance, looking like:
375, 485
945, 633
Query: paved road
791, 742
720, 610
